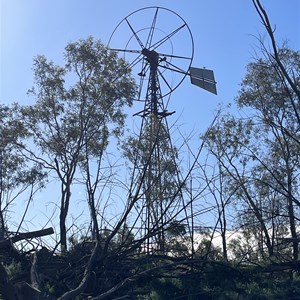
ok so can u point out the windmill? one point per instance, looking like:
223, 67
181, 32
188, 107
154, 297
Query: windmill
159, 49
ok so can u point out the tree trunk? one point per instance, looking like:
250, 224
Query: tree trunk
293, 227
63, 231
64, 208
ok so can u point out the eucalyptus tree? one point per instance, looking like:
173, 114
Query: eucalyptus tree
17, 175
275, 105
261, 152
78, 107
232, 143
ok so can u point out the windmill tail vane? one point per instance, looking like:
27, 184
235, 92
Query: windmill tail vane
203, 78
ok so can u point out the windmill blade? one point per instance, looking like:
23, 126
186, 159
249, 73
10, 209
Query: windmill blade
203, 78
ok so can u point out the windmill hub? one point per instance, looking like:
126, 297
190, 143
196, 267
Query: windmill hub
151, 56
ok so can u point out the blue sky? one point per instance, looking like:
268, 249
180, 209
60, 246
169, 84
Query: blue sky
224, 32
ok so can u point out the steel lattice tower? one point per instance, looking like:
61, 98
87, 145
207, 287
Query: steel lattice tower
150, 49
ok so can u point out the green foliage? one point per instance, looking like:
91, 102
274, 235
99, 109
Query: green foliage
49, 289
158, 288
13, 269
71, 113
16, 172
208, 250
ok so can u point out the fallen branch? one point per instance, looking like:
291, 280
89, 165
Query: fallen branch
26, 235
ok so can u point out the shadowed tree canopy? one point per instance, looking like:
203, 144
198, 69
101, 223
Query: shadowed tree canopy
260, 154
